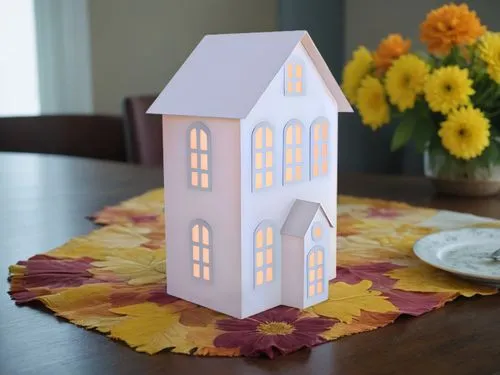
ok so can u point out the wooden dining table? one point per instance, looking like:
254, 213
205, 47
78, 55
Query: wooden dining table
44, 201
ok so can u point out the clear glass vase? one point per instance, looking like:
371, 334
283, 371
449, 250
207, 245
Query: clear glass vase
461, 178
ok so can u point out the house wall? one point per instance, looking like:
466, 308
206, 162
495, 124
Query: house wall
220, 208
275, 203
292, 281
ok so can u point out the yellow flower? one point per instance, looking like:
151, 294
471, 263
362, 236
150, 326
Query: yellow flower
372, 103
489, 51
465, 133
448, 26
405, 80
448, 88
354, 72
390, 49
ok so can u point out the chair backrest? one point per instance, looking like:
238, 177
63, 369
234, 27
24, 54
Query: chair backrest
143, 132
92, 136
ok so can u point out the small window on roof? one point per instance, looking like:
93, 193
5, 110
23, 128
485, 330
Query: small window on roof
294, 77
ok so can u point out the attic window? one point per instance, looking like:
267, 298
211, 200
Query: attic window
294, 78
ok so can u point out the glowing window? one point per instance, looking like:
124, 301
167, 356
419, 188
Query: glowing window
294, 77
317, 232
319, 147
264, 245
293, 152
201, 248
315, 272
199, 159
262, 155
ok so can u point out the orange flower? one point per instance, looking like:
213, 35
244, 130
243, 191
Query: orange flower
448, 26
390, 49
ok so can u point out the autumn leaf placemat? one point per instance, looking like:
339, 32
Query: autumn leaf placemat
113, 281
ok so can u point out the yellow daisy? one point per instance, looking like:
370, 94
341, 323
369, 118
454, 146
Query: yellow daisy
405, 80
448, 88
489, 51
354, 72
465, 133
372, 103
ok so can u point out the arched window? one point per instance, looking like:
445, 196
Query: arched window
264, 246
199, 162
262, 156
293, 152
294, 77
319, 147
315, 271
201, 250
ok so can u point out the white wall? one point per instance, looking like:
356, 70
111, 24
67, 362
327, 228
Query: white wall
138, 45
274, 203
220, 208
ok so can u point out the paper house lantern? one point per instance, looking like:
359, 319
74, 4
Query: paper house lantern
250, 168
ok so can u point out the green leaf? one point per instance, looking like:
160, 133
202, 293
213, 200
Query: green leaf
425, 127
403, 132
492, 153
423, 133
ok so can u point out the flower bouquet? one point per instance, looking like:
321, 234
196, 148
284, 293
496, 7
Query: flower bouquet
446, 100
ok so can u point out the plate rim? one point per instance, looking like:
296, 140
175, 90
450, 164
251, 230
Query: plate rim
476, 276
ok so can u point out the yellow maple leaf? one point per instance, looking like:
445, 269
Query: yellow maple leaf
424, 278
81, 247
346, 301
351, 200
87, 306
150, 202
211, 351
118, 236
139, 266
366, 322
201, 338
151, 328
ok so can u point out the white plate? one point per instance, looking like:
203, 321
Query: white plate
464, 252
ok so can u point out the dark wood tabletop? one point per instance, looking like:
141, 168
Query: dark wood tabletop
43, 203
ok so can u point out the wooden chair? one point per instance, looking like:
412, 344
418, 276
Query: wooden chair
99, 137
143, 132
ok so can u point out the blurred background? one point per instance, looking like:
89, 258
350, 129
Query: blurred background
81, 72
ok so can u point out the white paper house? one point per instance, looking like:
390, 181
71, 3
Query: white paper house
250, 168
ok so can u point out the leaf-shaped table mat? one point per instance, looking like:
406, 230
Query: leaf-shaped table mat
113, 280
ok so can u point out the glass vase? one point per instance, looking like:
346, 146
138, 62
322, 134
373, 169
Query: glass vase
460, 177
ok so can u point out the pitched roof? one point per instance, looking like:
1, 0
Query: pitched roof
300, 217
226, 74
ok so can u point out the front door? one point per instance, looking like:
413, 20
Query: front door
316, 279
